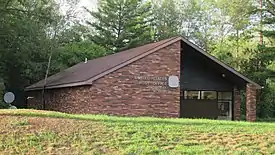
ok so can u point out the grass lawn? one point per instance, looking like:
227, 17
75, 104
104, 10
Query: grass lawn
42, 132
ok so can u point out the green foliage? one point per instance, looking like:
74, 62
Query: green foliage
24, 42
31, 31
269, 47
3, 105
75, 52
240, 48
23, 39
265, 60
121, 24
2, 88
238, 13
166, 15
233, 53
198, 20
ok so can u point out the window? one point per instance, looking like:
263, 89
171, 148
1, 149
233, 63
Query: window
223, 100
208, 95
203, 95
195, 95
225, 96
225, 104
224, 107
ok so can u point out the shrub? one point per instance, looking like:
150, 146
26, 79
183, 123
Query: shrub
2, 88
3, 105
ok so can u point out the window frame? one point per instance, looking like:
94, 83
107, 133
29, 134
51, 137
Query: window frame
200, 95
184, 92
216, 97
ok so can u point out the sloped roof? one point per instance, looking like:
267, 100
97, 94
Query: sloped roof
82, 72
85, 73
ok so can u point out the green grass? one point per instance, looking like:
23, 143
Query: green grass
43, 132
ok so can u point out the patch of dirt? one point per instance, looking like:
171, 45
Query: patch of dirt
236, 141
69, 136
10, 123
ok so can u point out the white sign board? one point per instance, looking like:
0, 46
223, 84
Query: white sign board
173, 81
9, 97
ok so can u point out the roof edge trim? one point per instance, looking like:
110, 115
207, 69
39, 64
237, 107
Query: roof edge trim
60, 86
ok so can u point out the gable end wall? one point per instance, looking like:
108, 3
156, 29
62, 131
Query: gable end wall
138, 89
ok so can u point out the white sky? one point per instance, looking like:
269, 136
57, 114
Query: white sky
90, 4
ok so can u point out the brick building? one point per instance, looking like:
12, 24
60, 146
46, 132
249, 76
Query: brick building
135, 82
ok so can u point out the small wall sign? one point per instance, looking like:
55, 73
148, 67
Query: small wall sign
173, 81
158, 83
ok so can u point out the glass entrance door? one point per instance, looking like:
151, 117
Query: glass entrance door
225, 105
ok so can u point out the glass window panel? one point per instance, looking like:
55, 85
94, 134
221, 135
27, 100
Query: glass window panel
225, 95
208, 95
224, 108
195, 95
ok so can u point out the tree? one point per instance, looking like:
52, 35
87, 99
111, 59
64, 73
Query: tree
24, 41
167, 22
264, 60
197, 22
73, 53
2, 88
237, 14
121, 24
27, 37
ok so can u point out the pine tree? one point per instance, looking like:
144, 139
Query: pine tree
269, 21
264, 55
262, 66
268, 48
121, 24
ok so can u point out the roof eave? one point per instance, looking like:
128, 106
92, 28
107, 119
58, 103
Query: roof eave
83, 83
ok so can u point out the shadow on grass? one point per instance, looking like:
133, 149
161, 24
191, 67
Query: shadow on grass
151, 122
132, 119
125, 120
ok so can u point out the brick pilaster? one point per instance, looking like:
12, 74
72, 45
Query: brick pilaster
237, 104
250, 103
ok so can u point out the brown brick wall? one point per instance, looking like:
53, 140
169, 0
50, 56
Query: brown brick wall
251, 103
36, 101
138, 89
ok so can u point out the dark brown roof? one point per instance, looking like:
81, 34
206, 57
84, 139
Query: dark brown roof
81, 73
86, 73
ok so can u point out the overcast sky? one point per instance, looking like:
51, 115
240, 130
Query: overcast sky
90, 4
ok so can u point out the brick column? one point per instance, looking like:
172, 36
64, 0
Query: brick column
250, 103
237, 104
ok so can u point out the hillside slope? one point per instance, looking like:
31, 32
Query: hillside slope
42, 132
